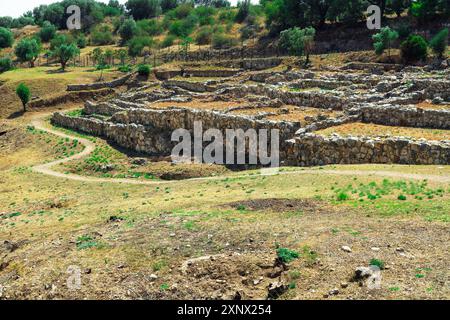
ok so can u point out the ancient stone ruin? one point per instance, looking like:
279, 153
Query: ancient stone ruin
304, 105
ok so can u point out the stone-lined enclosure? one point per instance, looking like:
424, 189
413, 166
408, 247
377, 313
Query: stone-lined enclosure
133, 119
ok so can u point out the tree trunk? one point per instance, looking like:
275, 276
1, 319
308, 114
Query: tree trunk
24, 107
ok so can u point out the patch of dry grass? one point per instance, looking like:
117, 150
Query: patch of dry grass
375, 130
43, 82
429, 105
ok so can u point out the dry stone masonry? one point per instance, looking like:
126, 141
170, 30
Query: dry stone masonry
365, 93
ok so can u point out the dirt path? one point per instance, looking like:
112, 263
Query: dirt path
39, 123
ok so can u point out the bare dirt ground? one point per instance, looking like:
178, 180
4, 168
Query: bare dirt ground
213, 237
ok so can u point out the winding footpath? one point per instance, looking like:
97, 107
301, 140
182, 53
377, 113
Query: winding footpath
39, 123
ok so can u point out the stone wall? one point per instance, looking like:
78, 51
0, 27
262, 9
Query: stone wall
172, 119
312, 150
149, 131
189, 85
319, 83
251, 64
130, 136
99, 85
433, 88
67, 97
103, 108
166, 74
302, 99
405, 116
212, 73
372, 67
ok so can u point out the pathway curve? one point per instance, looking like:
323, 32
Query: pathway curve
39, 123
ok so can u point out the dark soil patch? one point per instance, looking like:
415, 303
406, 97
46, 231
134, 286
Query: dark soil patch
279, 205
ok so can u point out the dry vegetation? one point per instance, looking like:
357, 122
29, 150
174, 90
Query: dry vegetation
218, 238
214, 238
374, 130
44, 82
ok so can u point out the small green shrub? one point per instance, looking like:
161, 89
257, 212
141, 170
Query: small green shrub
221, 41
401, 197
164, 287
102, 36
183, 10
75, 113
150, 26
342, 196
81, 41
125, 68
227, 15
384, 39
414, 48
102, 66
168, 41
5, 64
309, 255
183, 28
144, 70
394, 289
24, 94
203, 36
404, 30
85, 242
378, 263
287, 255
6, 38
158, 265
439, 43
47, 32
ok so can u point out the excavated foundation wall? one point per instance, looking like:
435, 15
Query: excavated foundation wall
149, 131
302, 99
432, 88
404, 116
100, 85
212, 73
312, 150
173, 119
67, 97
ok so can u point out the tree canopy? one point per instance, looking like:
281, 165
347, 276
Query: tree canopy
64, 49
27, 50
